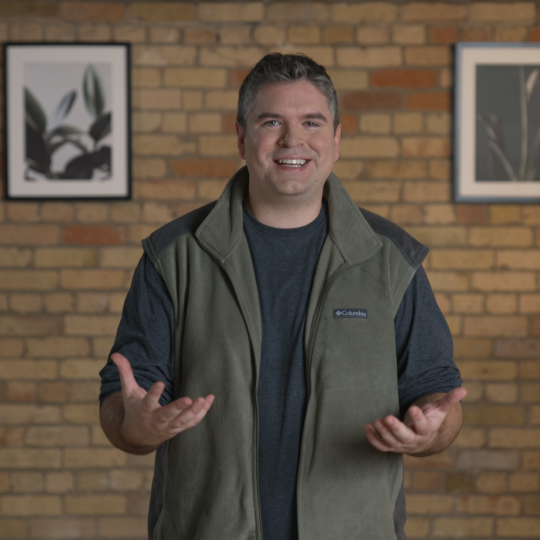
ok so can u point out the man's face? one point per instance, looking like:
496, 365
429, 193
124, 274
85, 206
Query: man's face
289, 121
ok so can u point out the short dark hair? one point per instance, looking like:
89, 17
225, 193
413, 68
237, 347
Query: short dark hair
285, 68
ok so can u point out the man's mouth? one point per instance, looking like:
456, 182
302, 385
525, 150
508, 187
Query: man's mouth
293, 163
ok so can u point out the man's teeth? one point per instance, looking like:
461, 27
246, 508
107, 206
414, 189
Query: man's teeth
293, 162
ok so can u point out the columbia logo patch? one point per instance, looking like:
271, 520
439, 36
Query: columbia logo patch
350, 313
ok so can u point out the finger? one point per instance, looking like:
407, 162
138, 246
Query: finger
129, 384
450, 399
399, 430
172, 410
151, 401
375, 440
200, 405
420, 423
386, 435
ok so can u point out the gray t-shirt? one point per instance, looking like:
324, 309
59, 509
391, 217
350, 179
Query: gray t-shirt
284, 262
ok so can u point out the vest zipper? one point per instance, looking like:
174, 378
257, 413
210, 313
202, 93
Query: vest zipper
309, 355
256, 491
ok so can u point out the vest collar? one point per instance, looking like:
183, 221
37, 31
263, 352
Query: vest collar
223, 228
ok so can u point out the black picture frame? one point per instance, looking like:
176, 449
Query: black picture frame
67, 133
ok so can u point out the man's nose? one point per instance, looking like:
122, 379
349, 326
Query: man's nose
291, 136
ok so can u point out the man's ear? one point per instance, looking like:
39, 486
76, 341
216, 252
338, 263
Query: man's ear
337, 137
241, 134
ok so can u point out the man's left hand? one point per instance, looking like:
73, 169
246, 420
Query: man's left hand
428, 427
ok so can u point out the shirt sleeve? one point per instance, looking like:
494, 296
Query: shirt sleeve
145, 335
423, 345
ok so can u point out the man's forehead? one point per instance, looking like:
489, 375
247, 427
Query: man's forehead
303, 95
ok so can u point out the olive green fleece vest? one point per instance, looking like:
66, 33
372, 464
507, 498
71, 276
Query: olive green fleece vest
346, 488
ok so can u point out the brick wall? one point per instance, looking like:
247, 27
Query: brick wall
65, 267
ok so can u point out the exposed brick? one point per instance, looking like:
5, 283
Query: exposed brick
230, 12
62, 257
439, 236
448, 281
404, 78
91, 11
235, 35
482, 370
304, 35
29, 235
514, 438
91, 505
25, 325
373, 12
156, 99
514, 348
217, 99
417, 527
524, 482
196, 77
80, 369
128, 527
498, 505
425, 146
164, 35
493, 415
432, 55
462, 259
161, 145
129, 33
406, 213
226, 56
30, 505
338, 35
429, 101
348, 79
505, 12
529, 370
60, 32
58, 302
474, 214
470, 438
409, 34
500, 236
269, 35
363, 192
27, 212
169, 190
371, 100
437, 461
531, 460
406, 123
370, 35
492, 482
204, 123
91, 325
301, 11
54, 392
376, 123
429, 504
368, 57
92, 279
459, 482
94, 32
396, 169
45, 9
425, 192
348, 170
433, 11
495, 326
530, 393
14, 257
519, 259
504, 281
164, 55
120, 257
467, 303
93, 234
501, 303
162, 11
443, 34
57, 436
62, 528
476, 33
92, 457
200, 35
518, 527
494, 460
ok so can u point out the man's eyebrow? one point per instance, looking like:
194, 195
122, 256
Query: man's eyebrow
309, 116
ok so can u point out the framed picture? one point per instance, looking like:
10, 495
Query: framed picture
497, 122
67, 131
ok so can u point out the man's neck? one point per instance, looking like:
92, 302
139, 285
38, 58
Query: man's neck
290, 216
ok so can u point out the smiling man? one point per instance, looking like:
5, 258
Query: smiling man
309, 325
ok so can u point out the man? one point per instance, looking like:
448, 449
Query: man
306, 318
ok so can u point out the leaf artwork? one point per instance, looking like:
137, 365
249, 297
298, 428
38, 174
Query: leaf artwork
529, 163
94, 98
44, 138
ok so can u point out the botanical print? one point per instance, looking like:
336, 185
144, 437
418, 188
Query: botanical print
67, 121
508, 123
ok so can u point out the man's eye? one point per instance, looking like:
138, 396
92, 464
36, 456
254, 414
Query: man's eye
312, 124
269, 122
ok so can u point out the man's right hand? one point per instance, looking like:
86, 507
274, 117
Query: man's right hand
146, 423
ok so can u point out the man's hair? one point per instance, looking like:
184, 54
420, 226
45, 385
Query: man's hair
285, 68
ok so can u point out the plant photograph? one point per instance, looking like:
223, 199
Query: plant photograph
507, 123
67, 121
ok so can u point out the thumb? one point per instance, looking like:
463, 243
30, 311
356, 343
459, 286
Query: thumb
450, 399
129, 384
